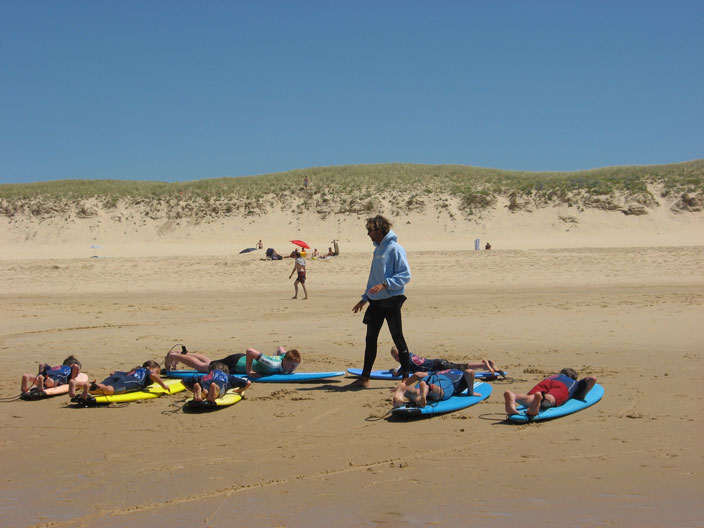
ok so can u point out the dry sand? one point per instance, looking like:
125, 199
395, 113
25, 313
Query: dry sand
316, 455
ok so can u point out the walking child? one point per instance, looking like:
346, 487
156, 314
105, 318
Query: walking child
299, 267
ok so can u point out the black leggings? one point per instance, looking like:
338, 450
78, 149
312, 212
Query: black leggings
377, 312
231, 362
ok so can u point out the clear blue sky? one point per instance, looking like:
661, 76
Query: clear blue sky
183, 90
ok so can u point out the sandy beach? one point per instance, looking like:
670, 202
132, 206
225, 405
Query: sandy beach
607, 302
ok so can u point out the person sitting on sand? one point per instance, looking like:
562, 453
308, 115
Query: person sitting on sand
118, 382
551, 392
328, 255
434, 386
315, 254
421, 364
299, 267
49, 376
271, 254
215, 384
253, 362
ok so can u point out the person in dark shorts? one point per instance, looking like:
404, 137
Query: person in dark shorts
283, 362
49, 376
421, 364
118, 382
299, 267
551, 392
215, 384
424, 387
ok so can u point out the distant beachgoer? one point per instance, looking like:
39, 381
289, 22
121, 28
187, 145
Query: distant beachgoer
299, 267
305, 182
271, 254
385, 290
260, 245
488, 246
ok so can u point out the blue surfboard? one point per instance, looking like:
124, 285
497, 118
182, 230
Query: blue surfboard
388, 375
570, 406
294, 377
454, 403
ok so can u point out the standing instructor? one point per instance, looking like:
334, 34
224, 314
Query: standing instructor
386, 286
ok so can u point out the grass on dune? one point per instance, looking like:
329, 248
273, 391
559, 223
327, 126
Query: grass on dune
476, 186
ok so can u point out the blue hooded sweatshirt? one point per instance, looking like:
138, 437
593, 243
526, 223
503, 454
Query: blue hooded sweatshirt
389, 264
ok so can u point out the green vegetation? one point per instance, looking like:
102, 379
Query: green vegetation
356, 188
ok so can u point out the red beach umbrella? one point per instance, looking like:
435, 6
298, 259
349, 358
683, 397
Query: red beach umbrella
300, 243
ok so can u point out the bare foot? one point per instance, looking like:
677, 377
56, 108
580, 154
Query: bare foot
422, 399
360, 383
534, 407
510, 401
294, 297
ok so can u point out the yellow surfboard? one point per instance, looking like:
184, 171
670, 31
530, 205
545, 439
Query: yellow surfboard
150, 391
230, 398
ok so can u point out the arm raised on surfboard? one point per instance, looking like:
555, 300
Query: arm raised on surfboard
252, 354
157, 379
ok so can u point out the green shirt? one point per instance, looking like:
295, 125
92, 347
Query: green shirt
263, 365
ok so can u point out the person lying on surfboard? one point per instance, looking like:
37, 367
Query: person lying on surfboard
424, 387
49, 376
551, 392
252, 362
118, 383
421, 364
215, 384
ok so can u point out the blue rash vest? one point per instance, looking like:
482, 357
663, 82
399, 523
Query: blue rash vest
224, 381
219, 378
141, 374
567, 381
59, 374
390, 264
451, 381
134, 380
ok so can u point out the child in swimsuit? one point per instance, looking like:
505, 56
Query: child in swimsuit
421, 364
551, 392
283, 362
300, 268
434, 386
215, 384
52, 376
118, 382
